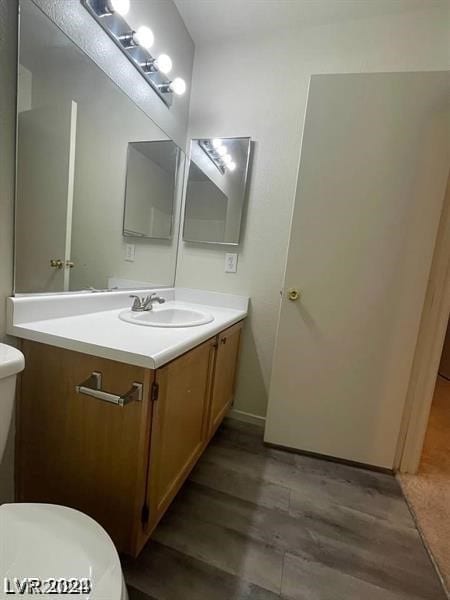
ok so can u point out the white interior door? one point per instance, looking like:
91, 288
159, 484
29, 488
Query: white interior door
45, 181
373, 170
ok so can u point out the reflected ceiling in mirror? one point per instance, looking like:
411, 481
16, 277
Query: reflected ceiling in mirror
216, 190
74, 127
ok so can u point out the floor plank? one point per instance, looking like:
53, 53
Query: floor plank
259, 523
306, 580
167, 574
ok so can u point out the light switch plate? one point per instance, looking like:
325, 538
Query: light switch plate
130, 252
231, 262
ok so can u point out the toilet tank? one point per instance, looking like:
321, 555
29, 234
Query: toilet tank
11, 363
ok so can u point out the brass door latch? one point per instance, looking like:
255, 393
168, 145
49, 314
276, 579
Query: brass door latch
293, 294
57, 263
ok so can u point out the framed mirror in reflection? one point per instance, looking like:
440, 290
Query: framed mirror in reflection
75, 130
216, 190
150, 189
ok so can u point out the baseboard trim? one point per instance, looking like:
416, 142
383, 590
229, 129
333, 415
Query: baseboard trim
241, 415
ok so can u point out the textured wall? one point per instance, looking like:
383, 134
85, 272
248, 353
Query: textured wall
8, 44
171, 36
259, 87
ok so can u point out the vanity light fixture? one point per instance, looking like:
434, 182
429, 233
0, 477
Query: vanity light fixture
218, 154
164, 63
109, 14
116, 6
142, 37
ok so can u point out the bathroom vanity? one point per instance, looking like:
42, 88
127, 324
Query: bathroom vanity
115, 406
120, 458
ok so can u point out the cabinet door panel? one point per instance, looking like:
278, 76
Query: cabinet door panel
78, 451
179, 425
224, 375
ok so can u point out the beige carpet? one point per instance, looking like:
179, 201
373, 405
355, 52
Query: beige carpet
428, 492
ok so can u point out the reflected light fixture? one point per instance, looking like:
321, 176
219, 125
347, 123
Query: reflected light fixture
217, 153
109, 14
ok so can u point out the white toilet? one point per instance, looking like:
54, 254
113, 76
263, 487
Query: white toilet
49, 542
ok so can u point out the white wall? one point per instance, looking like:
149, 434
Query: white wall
258, 87
8, 28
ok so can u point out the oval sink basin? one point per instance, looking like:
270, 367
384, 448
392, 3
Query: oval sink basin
167, 317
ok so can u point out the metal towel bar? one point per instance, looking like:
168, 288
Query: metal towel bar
93, 387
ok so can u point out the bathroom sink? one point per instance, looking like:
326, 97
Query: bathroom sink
167, 317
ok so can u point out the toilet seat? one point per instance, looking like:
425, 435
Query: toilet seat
47, 541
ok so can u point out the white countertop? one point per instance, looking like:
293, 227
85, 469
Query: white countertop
77, 322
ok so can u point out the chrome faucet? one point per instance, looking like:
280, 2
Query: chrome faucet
143, 304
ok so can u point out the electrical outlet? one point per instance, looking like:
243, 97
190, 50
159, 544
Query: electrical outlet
231, 262
130, 251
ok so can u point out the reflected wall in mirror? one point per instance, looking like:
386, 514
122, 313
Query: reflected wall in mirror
216, 190
74, 129
150, 189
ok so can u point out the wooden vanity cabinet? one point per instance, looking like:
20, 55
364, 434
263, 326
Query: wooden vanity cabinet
224, 376
121, 465
75, 450
179, 425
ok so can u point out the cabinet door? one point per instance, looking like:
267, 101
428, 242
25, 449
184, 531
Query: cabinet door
179, 425
78, 451
224, 375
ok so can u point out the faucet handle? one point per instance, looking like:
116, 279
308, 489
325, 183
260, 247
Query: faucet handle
137, 302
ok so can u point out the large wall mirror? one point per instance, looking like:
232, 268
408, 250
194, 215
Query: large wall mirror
98, 182
216, 190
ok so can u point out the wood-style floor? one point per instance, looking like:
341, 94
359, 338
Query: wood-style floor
255, 523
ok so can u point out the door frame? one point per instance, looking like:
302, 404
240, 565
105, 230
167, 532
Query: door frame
430, 342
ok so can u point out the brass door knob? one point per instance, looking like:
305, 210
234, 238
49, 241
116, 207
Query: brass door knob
293, 294
56, 263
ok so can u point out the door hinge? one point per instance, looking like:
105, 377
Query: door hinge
145, 514
155, 391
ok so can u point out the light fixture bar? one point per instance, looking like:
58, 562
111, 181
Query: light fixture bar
125, 38
212, 154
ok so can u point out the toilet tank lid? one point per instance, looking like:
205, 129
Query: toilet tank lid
12, 361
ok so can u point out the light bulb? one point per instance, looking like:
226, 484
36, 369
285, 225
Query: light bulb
221, 150
144, 37
227, 159
232, 165
178, 86
164, 63
118, 6
216, 143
